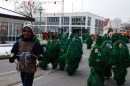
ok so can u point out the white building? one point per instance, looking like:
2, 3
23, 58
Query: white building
70, 22
11, 24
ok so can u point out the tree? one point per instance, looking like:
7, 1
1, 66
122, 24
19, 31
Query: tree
129, 20
117, 21
28, 8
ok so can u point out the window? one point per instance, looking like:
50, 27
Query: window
65, 20
96, 22
78, 20
89, 21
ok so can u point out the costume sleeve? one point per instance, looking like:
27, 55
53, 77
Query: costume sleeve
112, 60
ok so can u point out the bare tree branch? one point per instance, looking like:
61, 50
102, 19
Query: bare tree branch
28, 10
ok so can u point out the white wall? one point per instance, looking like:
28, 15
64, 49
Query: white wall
86, 14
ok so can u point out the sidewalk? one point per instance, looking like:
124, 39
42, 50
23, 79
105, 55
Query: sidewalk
6, 45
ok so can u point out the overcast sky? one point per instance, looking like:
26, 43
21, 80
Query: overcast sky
105, 8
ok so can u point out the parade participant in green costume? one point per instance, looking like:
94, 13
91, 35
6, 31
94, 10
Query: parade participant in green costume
70, 58
61, 60
99, 41
87, 34
107, 48
54, 49
77, 37
105, 37
45, 61
79, 45
63, 37
80, 52
71, 35
67, 43
83, 37
89, 42
97, 64
49, 43
39, 39
119, 36
119, 58
124, 38
114, 38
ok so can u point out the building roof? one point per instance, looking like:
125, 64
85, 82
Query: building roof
106, 22
6, 13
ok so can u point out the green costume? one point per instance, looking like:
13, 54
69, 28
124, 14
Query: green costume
97, 64
89, 42
71, 56
77, 41
119, 58
39, 38
83, 37
45, 61
67, 43
71, 36
61, 59
107, 48
54, 49
105, 37
99, 41
114, 38
63, 37
124, 38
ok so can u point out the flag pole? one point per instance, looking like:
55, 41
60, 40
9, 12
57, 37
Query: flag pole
81, 20
72, 7
63, 14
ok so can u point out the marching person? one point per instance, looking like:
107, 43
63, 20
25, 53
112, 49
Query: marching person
119, 58
97, 63
26, 50
107, 48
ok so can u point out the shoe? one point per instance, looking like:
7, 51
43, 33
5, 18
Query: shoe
89, 85
108, 77
119, 83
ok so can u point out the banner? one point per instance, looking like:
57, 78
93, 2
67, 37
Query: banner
33, 2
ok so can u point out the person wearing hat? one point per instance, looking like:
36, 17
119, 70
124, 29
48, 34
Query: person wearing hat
26, 50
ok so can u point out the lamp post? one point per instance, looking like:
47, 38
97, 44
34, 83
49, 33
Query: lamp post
40, 9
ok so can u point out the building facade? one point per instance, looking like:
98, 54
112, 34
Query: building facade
69, 22
106, 26
11, 24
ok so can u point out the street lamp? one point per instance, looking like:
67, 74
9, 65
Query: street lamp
40, 9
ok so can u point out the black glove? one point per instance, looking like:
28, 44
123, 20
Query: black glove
11, 59
40, 57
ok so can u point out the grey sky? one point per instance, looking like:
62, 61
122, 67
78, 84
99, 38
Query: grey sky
105, 8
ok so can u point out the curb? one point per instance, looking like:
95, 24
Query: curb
4, 57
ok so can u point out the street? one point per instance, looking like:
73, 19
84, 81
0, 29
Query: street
53, 77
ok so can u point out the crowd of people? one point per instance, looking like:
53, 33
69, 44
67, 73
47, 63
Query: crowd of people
110, 53
63, 51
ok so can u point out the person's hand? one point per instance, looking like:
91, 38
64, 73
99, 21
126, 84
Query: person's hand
40, 57
11, 59
98, 60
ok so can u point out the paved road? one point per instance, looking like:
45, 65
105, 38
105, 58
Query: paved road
53, 77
